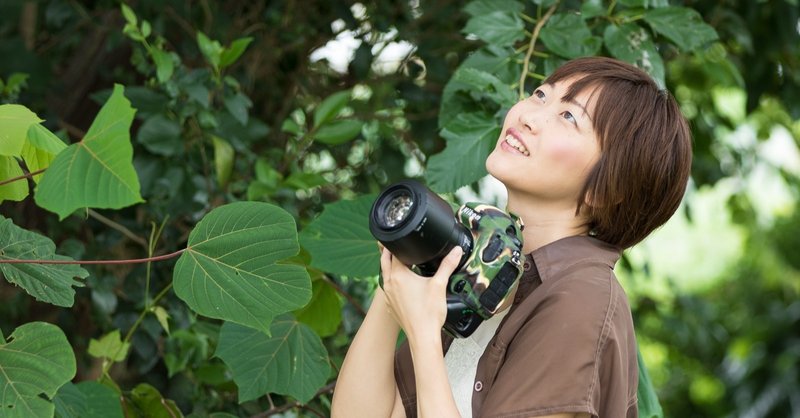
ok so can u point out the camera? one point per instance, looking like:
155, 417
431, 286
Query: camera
420, 228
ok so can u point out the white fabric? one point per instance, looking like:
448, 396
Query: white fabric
462, 362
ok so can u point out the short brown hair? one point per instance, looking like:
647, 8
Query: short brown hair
645, 150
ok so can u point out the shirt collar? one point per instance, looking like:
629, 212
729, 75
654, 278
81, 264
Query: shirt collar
546, 262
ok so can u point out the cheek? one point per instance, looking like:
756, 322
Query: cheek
572, 155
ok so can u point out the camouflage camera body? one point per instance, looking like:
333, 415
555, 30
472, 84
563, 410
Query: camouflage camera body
494, 265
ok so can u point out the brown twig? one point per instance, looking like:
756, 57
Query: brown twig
285, 407
531, 46
24, 176
129, 261
122, 229
346, 295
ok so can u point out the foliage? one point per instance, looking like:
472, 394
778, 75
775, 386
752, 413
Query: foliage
255, 166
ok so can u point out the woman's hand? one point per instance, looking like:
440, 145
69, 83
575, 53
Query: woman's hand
417, 303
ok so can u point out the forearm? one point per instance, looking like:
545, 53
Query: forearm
366, 385
434, 395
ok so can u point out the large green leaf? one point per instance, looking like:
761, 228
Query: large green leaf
681, 25
14, 123
51, 283
339, 240
323, 314
230, 268
338, 131
36, 361
290, 361
96, 172
87, 400
631, 43
568, 36
498, 28
485, 84
16, 190
470, 138
40, 149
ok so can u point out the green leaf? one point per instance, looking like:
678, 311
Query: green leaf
36, 361
110, 346
568, 36
185, 348
16, 190
162, 316
484, 83
51, 283
324, 313
234, 51
14, 123
223, 159
339, 240
148, 401
330, 107
681, 25
304, 180
470, 138
98, 171
161, 136
631, 43
484, 7
87, 400
164, 64
649, 407
230, 269
498, 28
237, 105
129, 15
291, 360
40, 149
338, 131
212, 50
15, 83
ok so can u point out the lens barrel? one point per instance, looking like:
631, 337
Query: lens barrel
417, 226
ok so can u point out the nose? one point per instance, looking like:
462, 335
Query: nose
529, 119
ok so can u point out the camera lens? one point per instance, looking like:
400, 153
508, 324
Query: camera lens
417, 226
396, 210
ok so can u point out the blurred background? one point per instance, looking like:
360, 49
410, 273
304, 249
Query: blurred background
715, 292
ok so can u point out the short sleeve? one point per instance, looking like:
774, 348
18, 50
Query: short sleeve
571, 354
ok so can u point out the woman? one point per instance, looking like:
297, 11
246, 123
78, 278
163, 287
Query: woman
593, 161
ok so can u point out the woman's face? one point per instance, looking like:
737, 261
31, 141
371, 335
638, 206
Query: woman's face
547, 146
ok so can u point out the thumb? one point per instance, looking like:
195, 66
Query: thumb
449, 263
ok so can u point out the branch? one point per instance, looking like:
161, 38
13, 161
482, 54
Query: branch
285, 407
24, 176
130, 261
346, 295
531, 45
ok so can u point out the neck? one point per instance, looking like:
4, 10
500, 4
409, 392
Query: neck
545, 222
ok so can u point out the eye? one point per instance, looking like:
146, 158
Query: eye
539, 94
569, 117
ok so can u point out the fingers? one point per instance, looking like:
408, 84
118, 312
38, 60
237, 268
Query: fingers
449, 263
386, 264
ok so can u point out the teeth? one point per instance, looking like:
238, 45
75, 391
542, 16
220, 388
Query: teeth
516, 144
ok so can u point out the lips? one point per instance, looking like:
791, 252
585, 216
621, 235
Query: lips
512, 141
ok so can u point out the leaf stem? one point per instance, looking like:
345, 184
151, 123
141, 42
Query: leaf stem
128, 261
24, 176
531, 45
114, 225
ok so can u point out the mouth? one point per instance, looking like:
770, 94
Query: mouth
516, 144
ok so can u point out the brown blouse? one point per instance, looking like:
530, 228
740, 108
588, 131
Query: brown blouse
566, 345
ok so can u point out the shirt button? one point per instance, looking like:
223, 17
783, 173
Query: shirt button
527, 266
478, 386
